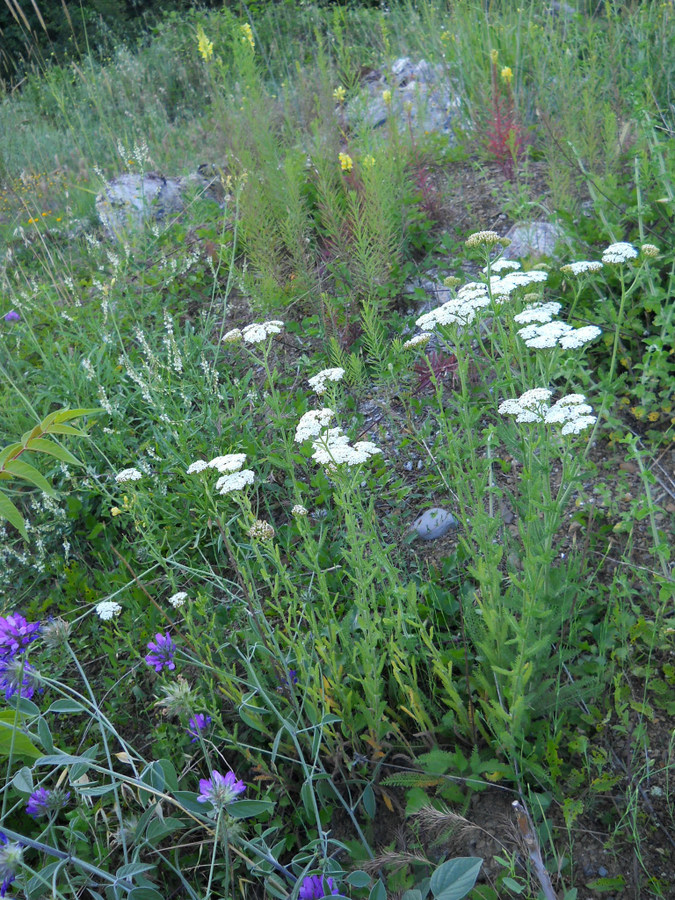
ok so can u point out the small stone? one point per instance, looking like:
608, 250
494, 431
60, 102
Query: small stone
408, 466
420, 464
433, 523
602, 872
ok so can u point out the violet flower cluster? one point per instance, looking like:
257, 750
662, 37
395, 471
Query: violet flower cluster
220, 789
16, 675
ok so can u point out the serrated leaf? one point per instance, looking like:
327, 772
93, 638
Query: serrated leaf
455, 878
40, 445
11, 513
20, 469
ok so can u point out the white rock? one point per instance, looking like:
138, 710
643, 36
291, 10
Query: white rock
433, 523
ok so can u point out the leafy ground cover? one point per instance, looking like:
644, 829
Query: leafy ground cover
231, 667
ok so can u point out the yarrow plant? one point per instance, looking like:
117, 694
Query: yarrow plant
318, 382
107, 610
128, 475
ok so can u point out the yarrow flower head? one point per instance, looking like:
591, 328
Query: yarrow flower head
236, 481
619, 253
11, 856
17, 677
299, 511
332, 449
230, 462
318, 382
647, 250
579, 336
178, 599
107, 609
128, 475
346, 162
537, 312
220, 789
257, 332
261, 531
582, 267
162, 651
312, 423
197, 724
502, 265
314, 887
532, 406
233, 336
44, 802
197, 466
419, 340
16, 633
485, 239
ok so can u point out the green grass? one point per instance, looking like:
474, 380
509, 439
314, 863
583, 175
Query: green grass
355, 679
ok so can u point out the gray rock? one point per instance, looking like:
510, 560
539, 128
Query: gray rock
602, 872
131, 200
533, 240
433, 523
421, 99
408, 466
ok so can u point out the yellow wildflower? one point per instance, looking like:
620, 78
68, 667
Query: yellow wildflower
346, 162
368, 161
494, 56
248, 35
115, 511
386, 96
507, 74
204, 45
339, 94
653, 416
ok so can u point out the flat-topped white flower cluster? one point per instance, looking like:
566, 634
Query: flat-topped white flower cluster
331, 445
233, 477
571, 411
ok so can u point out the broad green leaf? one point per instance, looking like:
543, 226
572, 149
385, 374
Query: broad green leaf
66, 429
144, 893
11, 513
40, 445
15, 741
378, 891
188, 800
20, 469
455, 878
65, 415
8, 451
66, 706
244, 809
134, 868
23, 780
359, 879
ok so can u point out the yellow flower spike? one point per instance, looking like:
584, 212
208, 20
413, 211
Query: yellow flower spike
368, 162
494, 56
339, 94
386, 96
507, 74
346, 162
204, 45
248, 35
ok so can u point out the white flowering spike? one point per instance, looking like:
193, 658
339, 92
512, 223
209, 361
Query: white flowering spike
178, 599
235, 481
318, 381
582, 267
312, 423
197, 466
257, 332
106, 609
128, 475
231, 462
619, 253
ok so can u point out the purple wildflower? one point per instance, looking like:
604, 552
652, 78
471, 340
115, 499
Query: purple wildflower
17, 677
10, 860
16, 634
314, 887
161, 653
43, 802
197, 724
220, 789
12, 316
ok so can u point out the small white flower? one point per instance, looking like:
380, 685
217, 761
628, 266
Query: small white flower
619, 253
106, 609
178, 599
312, 423
502, 265
547, 335
578, 425
235, 481
581, 267
318, 382
233, 336
486, 239
579, 336
532, 406
197, 466
261, 531
650, 250
257, 332
299, 511
538, 312
128, 475
231, 462
419, 340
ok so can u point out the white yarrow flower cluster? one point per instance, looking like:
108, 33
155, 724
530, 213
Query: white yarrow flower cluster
128, 475
257, 332
571, 411
197, 466
553, 334
106, 609
486, 239
312, 423
261, 531
318, 382
503, 286
619, 253
582, 267
502, 265
420, 340
333, 449
231, 462
538, 312
178, 599
233, 336
228, 466
299, 511
235, 481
